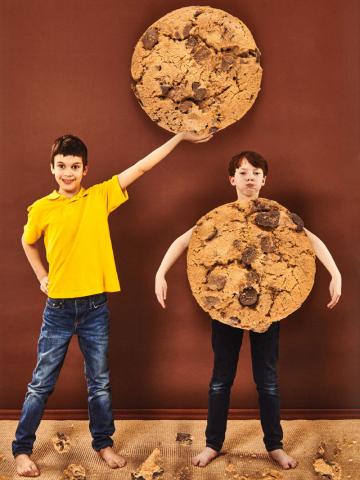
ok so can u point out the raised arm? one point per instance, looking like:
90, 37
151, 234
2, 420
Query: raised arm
173, 253
33, 256
132, 173
325, 257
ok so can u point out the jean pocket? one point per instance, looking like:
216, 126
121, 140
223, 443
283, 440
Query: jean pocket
99, 302
55, 303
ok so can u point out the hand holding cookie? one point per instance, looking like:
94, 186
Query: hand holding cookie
195, 137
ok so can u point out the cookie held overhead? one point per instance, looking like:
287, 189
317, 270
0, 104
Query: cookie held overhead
250, 263
196, 69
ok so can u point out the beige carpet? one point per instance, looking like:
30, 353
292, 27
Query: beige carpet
243, 449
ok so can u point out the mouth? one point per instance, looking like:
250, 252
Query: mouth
67, 181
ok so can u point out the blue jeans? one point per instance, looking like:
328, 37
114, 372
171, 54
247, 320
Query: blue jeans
226, 343
88, 318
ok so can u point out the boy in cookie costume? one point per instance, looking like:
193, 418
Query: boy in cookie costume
247, 173
74, 222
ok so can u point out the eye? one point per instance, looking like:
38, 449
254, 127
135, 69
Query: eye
76, 167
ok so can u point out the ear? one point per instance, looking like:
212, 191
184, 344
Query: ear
52, 169
85, 171
232, 180
263, 181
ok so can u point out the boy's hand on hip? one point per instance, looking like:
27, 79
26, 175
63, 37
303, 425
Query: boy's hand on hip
335, 291
195, 137
44, 284
160, 289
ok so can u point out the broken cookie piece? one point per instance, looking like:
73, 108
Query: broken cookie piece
151, 469
61, 442
184, 438
328, 470
74, 472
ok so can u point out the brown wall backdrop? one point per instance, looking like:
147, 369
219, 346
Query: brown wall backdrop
65, 67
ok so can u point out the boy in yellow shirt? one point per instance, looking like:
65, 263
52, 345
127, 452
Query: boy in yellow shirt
74, 223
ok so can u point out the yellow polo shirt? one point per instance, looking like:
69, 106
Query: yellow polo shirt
77, 239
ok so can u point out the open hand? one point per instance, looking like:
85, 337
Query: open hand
44, 284
195, 137
160, 289
335, 291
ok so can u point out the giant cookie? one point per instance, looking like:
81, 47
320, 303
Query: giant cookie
196, 69
250, 263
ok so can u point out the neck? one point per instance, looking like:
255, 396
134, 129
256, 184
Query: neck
241, 196
69, 194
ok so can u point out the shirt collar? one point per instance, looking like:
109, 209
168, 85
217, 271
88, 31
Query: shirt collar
54, 195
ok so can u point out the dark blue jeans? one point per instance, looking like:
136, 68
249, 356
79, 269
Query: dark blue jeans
226, 343
88, 318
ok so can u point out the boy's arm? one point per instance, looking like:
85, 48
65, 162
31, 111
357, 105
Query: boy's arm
323, 254
132, 173
33, 256
173, 253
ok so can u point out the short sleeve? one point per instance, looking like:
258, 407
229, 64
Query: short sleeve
33, 230
113, 193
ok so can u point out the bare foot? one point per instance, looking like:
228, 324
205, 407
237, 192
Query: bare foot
112, 459
25, 467
204, 457
283, 459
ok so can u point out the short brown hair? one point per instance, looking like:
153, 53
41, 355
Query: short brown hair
254, 158
69, 145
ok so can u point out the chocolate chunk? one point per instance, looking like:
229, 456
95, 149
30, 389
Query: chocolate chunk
252, 276
260, 206
177, 35
184, 438
234, 320
227, 60
210, 301
212, 235
244, 54
298, 222
150, 38
192, 41
248, 255
213, 129
197, 13
258, 54
248, 297
187, 29
195, 86
200, 94
216, 282
252, 53
237, 243
165, 89
185, 106
267, 244
201, 54
268, 220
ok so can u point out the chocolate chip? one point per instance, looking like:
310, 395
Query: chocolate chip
184, 438
216, 282
210, 301
200, 94
267, 244
150, 38
252, 276
187, 29
298, 222
248, 255
213, 129
201, 54
244, 54
260, 206
165, 89
185, 106
227, 60
268, 220
234, 320
197, 13
212, 235
237, 243
177, 35
248, 297
258, 54
195, 86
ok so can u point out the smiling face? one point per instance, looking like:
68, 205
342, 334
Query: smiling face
248, 180
69, 172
